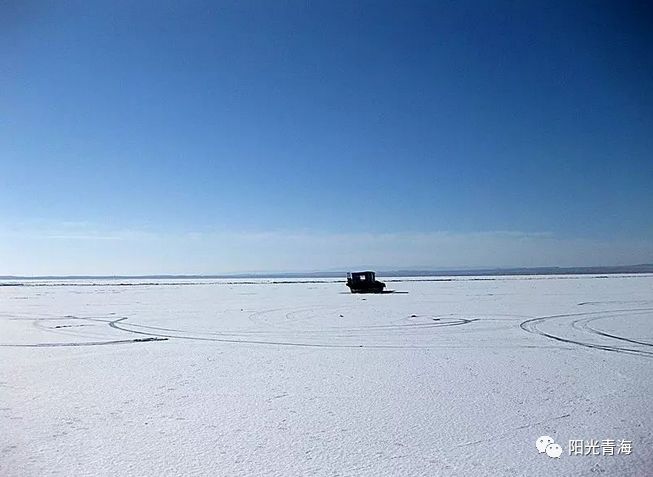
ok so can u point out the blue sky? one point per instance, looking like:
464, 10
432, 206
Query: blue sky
208, 137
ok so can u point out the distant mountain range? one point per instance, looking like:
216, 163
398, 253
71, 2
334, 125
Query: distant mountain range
643, 268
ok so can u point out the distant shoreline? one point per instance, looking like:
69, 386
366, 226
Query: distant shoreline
644, 268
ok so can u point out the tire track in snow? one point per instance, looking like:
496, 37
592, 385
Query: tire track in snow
584, 325
277, 339
534, 326
248, 340
80, 343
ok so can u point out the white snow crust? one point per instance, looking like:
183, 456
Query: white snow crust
446, 376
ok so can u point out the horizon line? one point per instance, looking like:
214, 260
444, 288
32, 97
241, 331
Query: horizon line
453, 271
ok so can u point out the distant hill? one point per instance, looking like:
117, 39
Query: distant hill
643, 268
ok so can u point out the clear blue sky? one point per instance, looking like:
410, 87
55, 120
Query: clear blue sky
206, 137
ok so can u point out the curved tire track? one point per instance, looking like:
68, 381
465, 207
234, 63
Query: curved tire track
584, 325
80, 343
533, 326
267, 337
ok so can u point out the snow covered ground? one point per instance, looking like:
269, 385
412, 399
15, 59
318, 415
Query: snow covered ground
452, 376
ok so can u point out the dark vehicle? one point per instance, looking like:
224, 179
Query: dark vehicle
364, 282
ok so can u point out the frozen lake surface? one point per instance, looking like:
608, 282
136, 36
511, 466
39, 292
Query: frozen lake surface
454, 376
